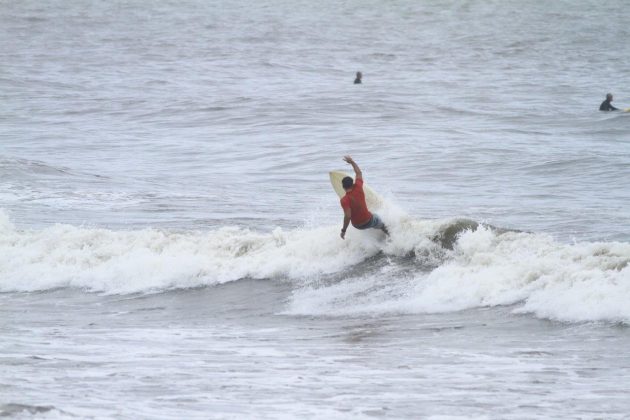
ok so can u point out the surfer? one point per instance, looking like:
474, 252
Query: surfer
354, 206
606, 106
357, 80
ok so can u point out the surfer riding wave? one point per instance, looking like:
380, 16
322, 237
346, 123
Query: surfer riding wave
353, 203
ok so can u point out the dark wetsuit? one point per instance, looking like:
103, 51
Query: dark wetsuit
357, 81
606, 106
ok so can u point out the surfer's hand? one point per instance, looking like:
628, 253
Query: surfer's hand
351, 161
343, 234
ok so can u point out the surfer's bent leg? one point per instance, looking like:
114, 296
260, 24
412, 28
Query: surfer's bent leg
374, 223
377, 223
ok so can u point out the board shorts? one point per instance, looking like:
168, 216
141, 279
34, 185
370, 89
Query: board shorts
374, 223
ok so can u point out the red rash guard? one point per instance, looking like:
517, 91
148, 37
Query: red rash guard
355, 201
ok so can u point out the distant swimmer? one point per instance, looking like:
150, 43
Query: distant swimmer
606, 106
357, 81
354, 206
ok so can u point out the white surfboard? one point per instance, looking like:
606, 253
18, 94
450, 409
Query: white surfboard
372, 199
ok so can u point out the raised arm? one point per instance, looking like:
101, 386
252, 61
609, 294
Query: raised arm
357, 170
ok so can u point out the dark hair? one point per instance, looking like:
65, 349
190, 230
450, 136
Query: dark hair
347, 182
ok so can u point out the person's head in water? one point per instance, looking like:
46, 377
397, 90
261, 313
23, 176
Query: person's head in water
358, 78
347, 183
609, 97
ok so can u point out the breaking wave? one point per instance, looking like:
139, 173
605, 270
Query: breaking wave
426, 266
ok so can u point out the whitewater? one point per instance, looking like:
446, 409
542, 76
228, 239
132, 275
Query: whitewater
424, 267
169, 238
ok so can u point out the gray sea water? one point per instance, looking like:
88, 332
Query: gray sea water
169, 238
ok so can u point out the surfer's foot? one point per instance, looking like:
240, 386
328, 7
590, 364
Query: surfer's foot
384, 229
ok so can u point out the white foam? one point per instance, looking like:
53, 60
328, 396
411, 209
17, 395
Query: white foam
579, 282
585, 281
149, 260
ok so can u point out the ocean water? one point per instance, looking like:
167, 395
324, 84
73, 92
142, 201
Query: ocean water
169, 239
